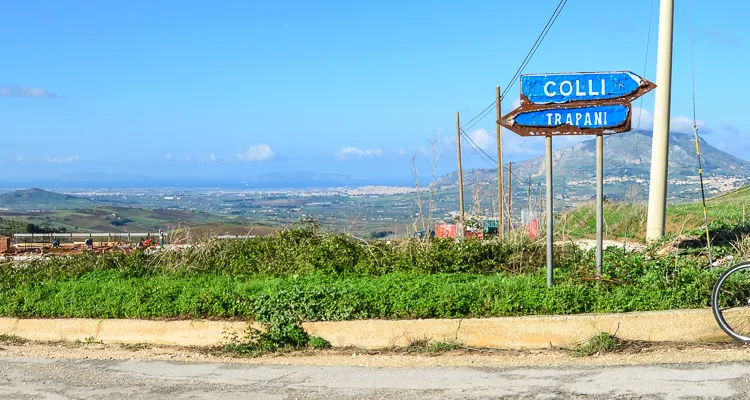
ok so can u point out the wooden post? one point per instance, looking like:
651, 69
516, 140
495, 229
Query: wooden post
498, 115
460, 232
510, 175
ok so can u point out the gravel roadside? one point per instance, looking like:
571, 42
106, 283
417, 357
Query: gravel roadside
631, 354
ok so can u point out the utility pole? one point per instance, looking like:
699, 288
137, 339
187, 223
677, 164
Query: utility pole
498, 115
657, 193
510, 174
460, 231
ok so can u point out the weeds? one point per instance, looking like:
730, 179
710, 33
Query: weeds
417, 346
598, 344
11, 340
439, 347
318, 343
305, 250
133, 346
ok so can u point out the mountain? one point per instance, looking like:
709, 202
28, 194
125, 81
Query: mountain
39, 199
627, 164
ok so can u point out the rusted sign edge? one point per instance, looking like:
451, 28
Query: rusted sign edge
565, 129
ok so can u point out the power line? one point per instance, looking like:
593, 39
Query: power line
542, 35
536, 44
489, 107
488, 158
479, 150
482, 115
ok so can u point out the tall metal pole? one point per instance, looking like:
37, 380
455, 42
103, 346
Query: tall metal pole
599, 202
510, 204
657, 193
550, 224
498, 115
460, 231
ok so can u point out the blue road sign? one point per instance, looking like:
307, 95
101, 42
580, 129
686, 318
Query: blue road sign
569, 87
584, 117
596, 119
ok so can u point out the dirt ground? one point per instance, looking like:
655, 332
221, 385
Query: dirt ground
639, 353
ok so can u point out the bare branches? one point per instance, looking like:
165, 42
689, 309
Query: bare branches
415, 174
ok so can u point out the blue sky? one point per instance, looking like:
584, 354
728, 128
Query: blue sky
236, 89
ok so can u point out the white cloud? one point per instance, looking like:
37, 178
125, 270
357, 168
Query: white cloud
261, 152
481, 138
516, 103
679, 123
642, 120
353, 152
19, 159
168, 156
685, 125
208, 158
61, 160
400, 151
21, 91
514, 145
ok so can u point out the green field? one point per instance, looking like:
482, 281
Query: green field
724, 210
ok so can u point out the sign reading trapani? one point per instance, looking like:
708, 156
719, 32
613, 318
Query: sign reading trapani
576, 103
603, 119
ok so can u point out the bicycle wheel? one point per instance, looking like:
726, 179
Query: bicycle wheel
730, 301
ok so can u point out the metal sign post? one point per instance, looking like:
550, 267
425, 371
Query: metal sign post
550, 214
595, 103
599, 202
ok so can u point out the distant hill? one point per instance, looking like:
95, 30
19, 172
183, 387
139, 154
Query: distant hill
39, 199
627, 161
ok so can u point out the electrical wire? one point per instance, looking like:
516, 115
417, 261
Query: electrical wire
479, 150
542, 35
535, 47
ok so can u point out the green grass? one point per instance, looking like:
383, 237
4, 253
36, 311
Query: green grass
622, 218
441, 346
598, 344
303, 275
656, 285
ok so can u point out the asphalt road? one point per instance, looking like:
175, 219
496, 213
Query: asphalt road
40, 378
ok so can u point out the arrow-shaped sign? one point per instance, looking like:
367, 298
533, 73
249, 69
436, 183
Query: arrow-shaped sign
570, 119
586, 86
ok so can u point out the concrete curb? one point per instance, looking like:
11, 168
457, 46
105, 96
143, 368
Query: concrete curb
507, 332
526, 332
130, 331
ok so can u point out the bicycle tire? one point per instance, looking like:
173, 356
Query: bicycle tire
715, 303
